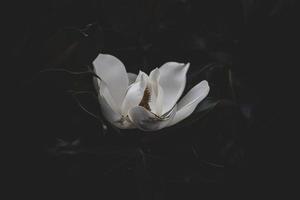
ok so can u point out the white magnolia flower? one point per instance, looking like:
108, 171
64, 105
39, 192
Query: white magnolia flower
145, 102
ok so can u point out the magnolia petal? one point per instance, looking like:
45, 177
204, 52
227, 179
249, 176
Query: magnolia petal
134, 94
112, 71
147, 121
156, 102
96, 83
189, 102
113, 117
154, 75
131, 77
105, 93
107, 111
172, 81
159, 101
141, 75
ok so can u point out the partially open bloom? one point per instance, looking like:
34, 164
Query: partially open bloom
145, 102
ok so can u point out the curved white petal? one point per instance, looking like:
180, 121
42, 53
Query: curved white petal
154, 75
105, 93
109, 111
113, 117
112, 71
141, 75
134, 94
131, 77
172, 80
156, 102
159, 101
107, 105
147, 121
189, 102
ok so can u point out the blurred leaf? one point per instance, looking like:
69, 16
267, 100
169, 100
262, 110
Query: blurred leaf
206, 105
63, 147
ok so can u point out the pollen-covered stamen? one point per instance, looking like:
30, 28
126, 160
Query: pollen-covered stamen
146, 99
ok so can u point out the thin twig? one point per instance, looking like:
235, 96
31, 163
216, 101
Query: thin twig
70, 72
84, 109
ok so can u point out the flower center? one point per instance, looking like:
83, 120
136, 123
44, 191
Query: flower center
146, 99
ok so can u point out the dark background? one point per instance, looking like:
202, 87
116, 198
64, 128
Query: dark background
242, 148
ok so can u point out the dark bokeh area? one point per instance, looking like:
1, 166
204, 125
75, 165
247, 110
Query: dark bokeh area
236, 144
